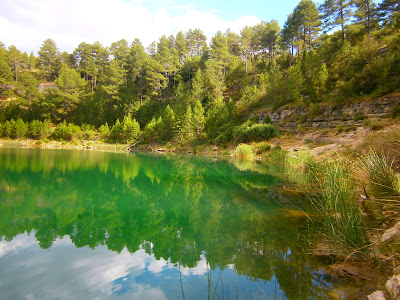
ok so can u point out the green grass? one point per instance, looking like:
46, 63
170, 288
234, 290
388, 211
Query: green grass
243, 152
377, 173
335, 200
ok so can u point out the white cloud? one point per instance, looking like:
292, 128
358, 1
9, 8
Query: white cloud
26, 24
24, 241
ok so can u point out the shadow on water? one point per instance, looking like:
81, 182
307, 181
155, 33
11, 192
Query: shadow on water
189, 213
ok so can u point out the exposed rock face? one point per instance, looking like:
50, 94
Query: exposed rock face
44, 86
377, 295
391, 233
393, 287
331, 116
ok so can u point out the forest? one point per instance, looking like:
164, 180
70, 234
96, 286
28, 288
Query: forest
184, 90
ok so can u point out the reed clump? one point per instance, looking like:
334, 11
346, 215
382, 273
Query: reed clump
376, 172
243, 152
335, 200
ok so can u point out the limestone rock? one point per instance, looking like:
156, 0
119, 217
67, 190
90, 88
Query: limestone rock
377, 295
393, 287
391, 233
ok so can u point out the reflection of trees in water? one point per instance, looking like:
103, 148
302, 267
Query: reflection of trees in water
110, 199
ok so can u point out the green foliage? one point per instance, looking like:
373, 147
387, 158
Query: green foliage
131, 128
248, 132
262, 68
21, 129
65, 131
117, 131
7, 129
152, 129
36, 129
104, 131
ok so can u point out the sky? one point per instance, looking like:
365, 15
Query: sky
26, 23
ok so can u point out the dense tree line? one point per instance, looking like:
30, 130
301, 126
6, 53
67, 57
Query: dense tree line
182, 89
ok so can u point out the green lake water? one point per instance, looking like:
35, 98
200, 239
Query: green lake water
95, 225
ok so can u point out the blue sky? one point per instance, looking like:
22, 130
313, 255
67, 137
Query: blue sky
26, 23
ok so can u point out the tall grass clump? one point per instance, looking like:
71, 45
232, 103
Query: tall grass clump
386, 142
243, 152
377, 172
342, 218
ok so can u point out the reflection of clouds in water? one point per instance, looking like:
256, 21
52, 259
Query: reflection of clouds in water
92, 273
201, 267
66, 272
22, 242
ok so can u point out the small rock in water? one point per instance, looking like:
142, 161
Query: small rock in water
377, 295
391, 233
393, 287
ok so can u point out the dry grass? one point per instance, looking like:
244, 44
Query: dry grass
385, 142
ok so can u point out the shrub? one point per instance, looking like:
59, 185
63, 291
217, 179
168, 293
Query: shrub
261, 147
358, 117
104, 131
36, 129
21, 128
243, 151
254, 132
88, 131
47, 128
267, 120
394, 111
117, 131
7, 129
66, 131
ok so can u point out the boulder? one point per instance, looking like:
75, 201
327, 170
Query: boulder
377, 295
393, 287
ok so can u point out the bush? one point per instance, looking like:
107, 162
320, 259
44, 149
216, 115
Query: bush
117, 131
7, 129
254, 132
358, 117
243, 151
104, 131
267, 120
21, 129
261, 147
36, 129
66, 131
88, 131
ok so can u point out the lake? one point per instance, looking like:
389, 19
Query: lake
86, 225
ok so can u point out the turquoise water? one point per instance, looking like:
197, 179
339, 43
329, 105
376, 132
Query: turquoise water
86, 225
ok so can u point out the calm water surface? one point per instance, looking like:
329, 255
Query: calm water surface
85, 225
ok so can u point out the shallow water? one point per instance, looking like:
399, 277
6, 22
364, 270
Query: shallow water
85, 225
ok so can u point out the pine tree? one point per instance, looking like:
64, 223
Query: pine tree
131, 128
186, 130
117, 131
28, 89
49, 59
36, 129
104, 131
168, 124
198, 118
336, 13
